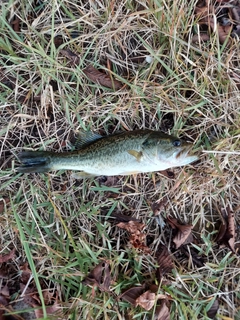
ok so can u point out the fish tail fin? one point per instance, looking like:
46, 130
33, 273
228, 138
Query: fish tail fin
34, 161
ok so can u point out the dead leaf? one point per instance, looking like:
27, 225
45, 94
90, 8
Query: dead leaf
183, 235
3, 203
226, 235
92, 73
159, 205
168, 174
74, 58
146, 300
216, 20
162, 312
190, 253
25, 273
122, 217
102, 78
164, 261
99, 276
7, 257
132, 294
137, 237
54, 310
201, 37
223, 32
213, 310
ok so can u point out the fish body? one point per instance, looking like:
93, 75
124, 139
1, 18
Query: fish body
119, 154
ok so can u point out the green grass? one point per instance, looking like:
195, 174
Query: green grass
60, 225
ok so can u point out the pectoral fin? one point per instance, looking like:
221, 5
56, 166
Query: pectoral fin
137, 154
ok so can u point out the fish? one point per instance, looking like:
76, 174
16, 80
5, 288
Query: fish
125, 153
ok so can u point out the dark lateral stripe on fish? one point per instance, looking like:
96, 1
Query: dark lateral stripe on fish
34, 161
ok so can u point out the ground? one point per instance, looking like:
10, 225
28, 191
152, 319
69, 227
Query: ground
111, 66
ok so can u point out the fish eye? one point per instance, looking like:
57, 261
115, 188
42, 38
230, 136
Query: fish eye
176, 143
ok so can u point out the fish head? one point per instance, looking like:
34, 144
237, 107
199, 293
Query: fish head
174, 151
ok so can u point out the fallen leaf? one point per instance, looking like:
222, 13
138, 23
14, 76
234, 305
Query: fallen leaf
132, 294
102, 78
122, 218
183, 235
131, 226
162, 312
137, 237
8, 256
168, 174
99, 276
74, 58
201, 37
223, 32
3, 203
226, 235
198, 261
213, 310
92, 73
146, 300
25, 273
54, 310
159, 205
164, 261
218, 18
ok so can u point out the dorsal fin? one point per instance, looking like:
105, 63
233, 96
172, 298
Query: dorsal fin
85, 138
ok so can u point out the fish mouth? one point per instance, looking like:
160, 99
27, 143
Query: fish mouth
186, 154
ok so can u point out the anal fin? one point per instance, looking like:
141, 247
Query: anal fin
82, 175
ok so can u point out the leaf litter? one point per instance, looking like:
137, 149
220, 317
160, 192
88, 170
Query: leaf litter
183, 232
226, 235
137, 236
100, 277
93, 74
10, 300
220, 17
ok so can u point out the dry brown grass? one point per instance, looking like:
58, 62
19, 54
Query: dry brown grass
188, 90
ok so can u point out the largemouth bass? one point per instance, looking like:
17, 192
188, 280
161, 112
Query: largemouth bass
119, 154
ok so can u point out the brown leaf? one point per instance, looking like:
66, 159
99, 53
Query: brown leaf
31, 296
2, 203
159, 205
206, 15
213, 310
162, 312
7, 257
25, 274
226, 235
183, 235
223, 31
201, 37
146, 300
189, 252
122, 217
99, 276
92, 73
74, 58
102, 78
137, 237
132, 294
168, 174
131, 226
164, 261
53, 310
